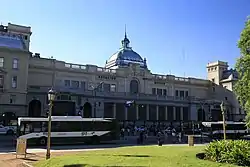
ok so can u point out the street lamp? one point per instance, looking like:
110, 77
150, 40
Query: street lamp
223, 109
51, 98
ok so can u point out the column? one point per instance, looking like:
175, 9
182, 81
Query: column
114, 110
126, 113
166, 113
137, 111
174, 113
193, 112
93, 110
173, 92
147, 111
181, 113
157, 112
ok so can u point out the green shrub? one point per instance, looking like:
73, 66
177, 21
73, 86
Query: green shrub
229, 151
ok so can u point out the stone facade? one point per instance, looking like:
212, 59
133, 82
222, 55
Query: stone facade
25, 79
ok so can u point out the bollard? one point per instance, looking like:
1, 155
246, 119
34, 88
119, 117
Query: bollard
21, 147
191, 140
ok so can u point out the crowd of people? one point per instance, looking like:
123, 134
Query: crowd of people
162, 132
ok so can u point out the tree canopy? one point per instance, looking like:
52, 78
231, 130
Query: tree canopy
242, 86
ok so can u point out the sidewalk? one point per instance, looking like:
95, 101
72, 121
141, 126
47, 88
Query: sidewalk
10, 160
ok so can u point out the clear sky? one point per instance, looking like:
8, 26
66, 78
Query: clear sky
178, 36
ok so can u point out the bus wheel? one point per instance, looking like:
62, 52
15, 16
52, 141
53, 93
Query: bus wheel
10, 132
42, 141
95, 140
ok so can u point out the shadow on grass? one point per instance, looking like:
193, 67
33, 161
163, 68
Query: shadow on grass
29, 159
200, 156
128, 155
83, 165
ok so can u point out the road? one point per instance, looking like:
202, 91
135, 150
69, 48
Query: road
7, 145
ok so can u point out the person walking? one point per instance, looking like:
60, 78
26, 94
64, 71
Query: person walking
160, 137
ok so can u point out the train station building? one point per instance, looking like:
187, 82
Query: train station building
94, 91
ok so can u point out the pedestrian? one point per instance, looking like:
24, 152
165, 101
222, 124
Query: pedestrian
141, 137
160, 137
179, 137
122, 133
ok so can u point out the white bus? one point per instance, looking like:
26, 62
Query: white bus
68, 129
234, 130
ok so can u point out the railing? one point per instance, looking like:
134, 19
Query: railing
75, 66
170, 77
127, 95
106, 70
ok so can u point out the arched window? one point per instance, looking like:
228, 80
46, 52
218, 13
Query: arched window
134, 86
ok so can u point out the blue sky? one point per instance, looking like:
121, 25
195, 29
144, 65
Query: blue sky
178, 36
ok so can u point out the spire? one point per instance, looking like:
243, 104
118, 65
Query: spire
125, 41
125, 31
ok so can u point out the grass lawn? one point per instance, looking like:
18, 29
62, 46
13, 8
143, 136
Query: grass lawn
139, 156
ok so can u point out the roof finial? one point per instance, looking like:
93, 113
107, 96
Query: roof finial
125, 31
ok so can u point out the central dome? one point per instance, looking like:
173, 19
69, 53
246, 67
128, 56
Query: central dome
125, 56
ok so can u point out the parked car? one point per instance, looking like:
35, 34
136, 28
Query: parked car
7, 130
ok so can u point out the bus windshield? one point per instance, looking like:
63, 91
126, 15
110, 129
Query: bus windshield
26, 127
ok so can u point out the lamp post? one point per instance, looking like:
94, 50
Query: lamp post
223, 108
202, 104
94, 89
51, 98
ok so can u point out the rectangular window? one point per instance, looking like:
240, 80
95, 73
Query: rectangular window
186, 94
106, 87
15, 63
75, 84
181, 93
79, 100
1, 62
176, 93
113, 88
12, 99
159, 91
14, 82
153, 91
164, 92
64, 97
67, 83
83, 84
1, 81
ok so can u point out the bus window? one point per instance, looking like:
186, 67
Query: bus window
86, 126
66, 126
55, 126
44, 127
24, 128
101, 126
73, 126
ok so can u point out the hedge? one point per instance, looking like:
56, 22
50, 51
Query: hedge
229, 151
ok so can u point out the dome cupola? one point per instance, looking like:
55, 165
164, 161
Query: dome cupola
125, 56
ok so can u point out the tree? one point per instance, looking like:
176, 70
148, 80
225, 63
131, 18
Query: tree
242, 86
